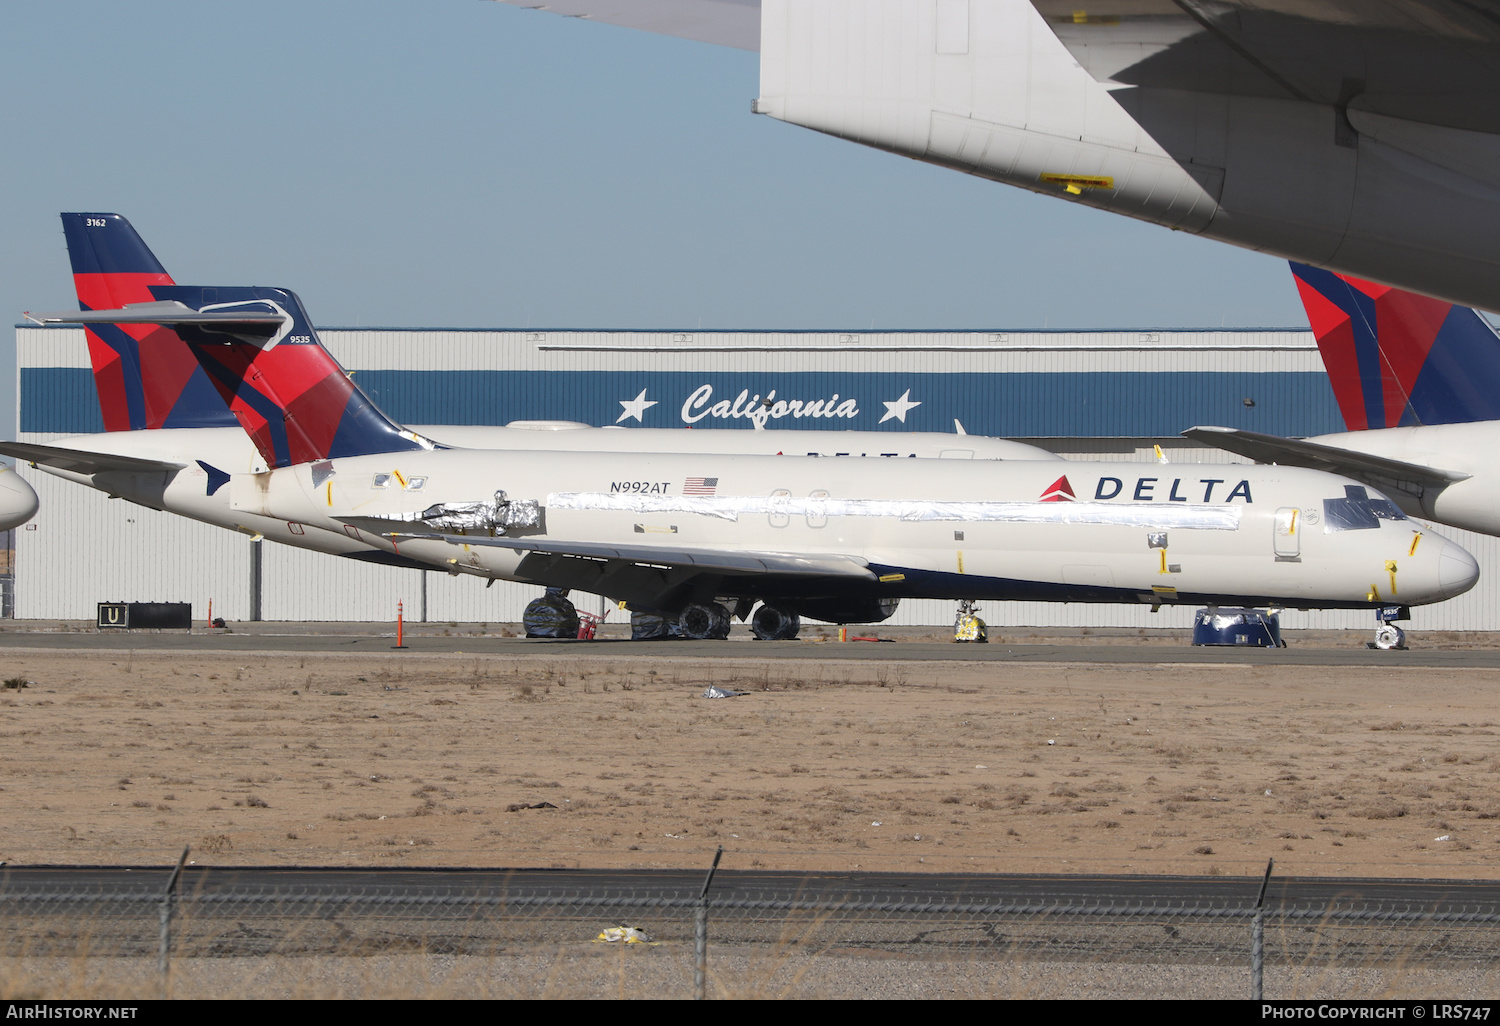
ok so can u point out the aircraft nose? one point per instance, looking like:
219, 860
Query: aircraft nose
1457, 571
18, 503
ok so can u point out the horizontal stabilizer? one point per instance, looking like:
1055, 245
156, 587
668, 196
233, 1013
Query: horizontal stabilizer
1294, 452
262, 323
779, 564
79, 462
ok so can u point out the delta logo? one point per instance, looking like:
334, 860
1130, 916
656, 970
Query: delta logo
1059, 491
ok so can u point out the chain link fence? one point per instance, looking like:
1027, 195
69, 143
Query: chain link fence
1392, 946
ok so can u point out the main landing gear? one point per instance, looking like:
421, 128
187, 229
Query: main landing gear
775, 623
710, 621
551, 616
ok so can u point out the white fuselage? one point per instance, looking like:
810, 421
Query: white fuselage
1472, 504
1232, 534
230, 451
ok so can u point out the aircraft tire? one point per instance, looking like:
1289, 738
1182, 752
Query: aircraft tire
773, 623
704, 622
1389, 636
551, 616
650, 627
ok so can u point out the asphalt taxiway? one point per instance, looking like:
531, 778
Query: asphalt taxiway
1323, 648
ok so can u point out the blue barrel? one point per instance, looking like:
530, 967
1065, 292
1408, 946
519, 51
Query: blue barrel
1225, 626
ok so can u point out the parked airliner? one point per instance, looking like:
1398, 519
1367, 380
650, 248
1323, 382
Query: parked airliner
691, 535
171, 441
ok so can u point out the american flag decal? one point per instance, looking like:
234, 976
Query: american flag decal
700, 486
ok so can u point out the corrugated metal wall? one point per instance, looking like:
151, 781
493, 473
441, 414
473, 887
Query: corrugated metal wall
83, 548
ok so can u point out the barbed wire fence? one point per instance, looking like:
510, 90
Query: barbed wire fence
244, 920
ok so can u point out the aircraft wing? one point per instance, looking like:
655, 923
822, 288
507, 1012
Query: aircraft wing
718, 561
1434, 62
733, 23
1293, 452
79, 462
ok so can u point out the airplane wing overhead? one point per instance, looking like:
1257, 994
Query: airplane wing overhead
1376, 470
738, 562
1434, 62
79, 462
733, 23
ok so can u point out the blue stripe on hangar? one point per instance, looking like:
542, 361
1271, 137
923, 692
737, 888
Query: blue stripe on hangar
60, 399
1036, 404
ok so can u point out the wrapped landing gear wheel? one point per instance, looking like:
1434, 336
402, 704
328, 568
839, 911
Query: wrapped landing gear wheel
651, 627
551, 616
1389, 636
773, 623
967, 626
704, 622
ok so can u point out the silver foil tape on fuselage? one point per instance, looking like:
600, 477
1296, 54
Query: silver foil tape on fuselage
732, 507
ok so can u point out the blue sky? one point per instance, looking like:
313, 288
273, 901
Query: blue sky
469, 164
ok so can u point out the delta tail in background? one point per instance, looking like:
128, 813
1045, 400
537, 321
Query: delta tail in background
1355, 136
1418, 384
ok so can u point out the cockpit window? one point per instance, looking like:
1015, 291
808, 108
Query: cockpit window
1356, 511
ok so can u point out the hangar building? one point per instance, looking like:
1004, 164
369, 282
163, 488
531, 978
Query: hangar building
1086, 395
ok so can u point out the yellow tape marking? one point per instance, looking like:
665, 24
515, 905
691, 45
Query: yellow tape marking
1416, 536
888, 578
960, 560
1077, 183
1390, 568
1163, 561
399, 477
330, 493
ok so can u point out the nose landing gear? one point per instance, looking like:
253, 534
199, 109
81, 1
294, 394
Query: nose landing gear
967, 626
1387, 635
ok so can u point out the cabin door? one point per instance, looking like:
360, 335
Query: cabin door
1287, 535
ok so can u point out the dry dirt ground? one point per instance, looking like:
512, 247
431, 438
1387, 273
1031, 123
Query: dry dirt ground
416, 760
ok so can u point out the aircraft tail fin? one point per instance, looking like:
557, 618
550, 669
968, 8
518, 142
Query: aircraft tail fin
262, 357
290, 395
144, 375
1396, 358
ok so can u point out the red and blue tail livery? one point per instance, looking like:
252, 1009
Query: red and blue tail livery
168, 355
288, 393
1398, 359
144, 375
